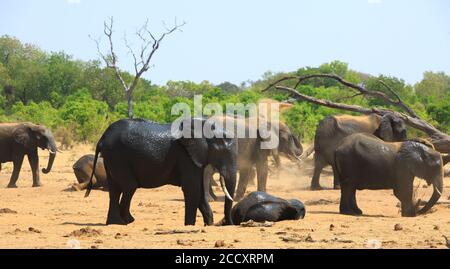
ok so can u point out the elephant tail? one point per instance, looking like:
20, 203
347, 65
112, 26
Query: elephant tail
97, 151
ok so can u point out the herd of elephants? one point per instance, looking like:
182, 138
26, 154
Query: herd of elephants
365, 152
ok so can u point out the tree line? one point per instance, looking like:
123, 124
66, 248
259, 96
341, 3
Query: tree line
79, 99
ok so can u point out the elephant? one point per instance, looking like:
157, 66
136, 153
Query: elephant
364, 161
83, 170
20, 139
138, 153
332, 129
250, 154
260, 206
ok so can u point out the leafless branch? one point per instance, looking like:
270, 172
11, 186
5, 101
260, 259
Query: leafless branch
145, 55
348, 97
398, 102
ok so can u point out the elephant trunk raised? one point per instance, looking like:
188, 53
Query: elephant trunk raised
437, 192
51, 146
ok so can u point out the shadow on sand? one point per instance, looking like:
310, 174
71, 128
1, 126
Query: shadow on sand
83, 224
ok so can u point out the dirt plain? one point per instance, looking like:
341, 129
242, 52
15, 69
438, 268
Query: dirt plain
55, 216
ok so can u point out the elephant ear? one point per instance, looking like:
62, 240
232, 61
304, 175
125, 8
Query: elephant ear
23, 137
197, 149
385, 131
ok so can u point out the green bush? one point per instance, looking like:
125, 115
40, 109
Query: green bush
89, 116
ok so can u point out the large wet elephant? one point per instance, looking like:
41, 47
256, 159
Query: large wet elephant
260, 206
142, 154
332, 129
83, 168
364, 161
251, 154
20, 139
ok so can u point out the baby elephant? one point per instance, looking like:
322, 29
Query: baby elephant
83, 170
364, 161
260, 206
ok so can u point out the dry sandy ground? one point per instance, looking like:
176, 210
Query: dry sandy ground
51, 216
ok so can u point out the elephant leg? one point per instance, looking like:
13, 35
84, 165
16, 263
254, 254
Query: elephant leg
125, 203
191, 204
355, 207
114, 209
17, 162
336, 180
244, 175
193, 192
251, 177
404, 192
34, 164
345, 206
319, 164
262, 169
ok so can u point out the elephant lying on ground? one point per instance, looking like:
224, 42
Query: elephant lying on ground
83, 171
20, 139
260, 206
142, 154
364, 161
251, 154
332, 129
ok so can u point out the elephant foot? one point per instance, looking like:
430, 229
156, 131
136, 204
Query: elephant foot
349, 212
409, 214
358, 212
128, 219
39, 184
316, 188
337, 187
209, 222
11, 186
116, 220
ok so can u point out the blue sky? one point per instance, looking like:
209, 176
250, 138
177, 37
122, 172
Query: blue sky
237, 40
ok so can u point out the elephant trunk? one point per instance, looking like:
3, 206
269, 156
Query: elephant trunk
52, 149
228, 178
437, 192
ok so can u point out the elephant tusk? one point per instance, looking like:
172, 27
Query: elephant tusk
60, 151
436, 189
224, 188
51, 151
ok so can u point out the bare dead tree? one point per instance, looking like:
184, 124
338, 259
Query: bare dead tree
440, 140
150, 44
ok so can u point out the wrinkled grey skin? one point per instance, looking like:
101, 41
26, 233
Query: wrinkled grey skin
250, 155
20, 139
82, 169
142, 154
260, 206
332, 129
364, 161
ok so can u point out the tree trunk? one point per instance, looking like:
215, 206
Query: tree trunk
130, 105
